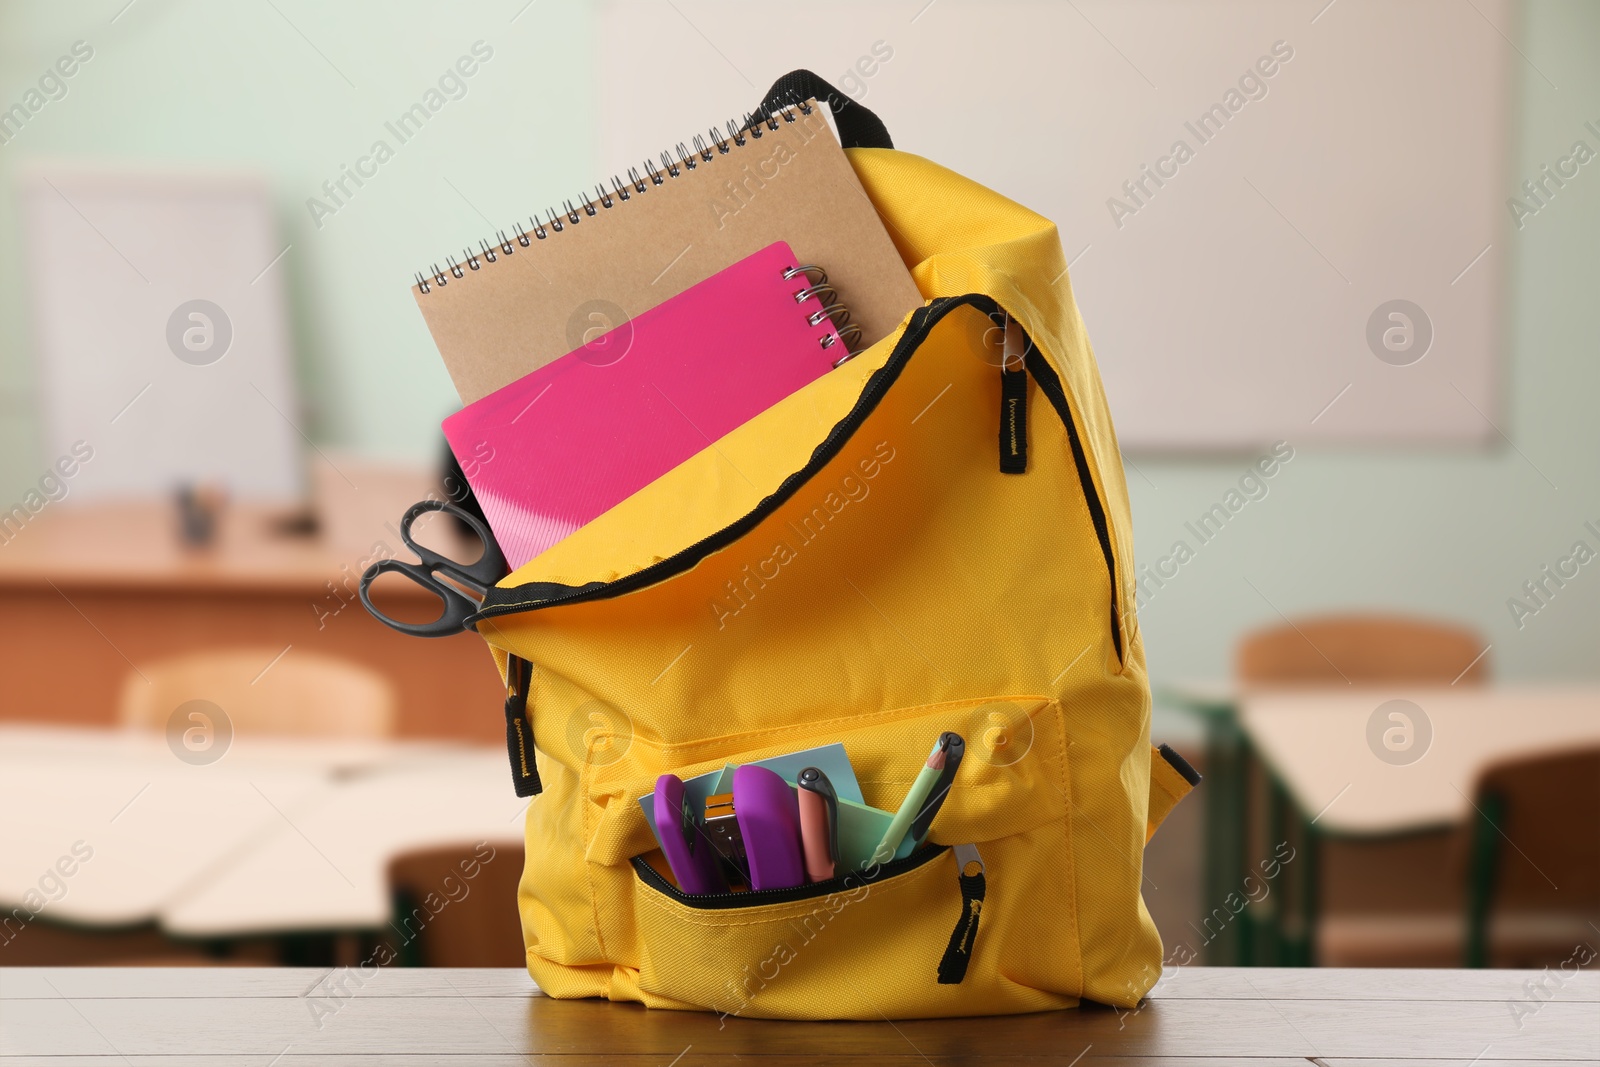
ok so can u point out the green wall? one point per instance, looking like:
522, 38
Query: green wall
1453, 533
237, 83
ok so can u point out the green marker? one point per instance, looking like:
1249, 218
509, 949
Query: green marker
910, 806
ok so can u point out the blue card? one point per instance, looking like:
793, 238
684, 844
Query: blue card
829, 759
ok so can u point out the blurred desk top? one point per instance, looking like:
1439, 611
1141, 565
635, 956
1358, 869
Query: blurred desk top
89, 595
146, 835
1327, 746
1196, 1016
135, 546
327, 867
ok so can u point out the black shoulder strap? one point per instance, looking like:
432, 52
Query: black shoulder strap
858, 127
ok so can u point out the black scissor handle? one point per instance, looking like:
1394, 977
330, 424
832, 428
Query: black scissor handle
458, 608
480, 575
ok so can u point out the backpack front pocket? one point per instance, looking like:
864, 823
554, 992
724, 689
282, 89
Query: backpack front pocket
978, 920
853, 948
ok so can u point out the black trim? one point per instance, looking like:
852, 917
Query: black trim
536, 595
1179, 764
1050, 383
858, 126
755, 898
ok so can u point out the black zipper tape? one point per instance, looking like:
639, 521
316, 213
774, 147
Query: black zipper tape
757, 897
1050, 383
519, 729
535, 595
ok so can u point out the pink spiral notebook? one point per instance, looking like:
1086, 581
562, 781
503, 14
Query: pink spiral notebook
560, 446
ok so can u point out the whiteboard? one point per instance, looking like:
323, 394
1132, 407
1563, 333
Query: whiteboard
158, 330
1232, 303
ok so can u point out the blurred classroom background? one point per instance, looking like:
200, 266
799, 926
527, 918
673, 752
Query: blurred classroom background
1377, 642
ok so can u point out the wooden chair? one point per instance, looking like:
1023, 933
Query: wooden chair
446, 918
1533, 860
1337, 649
300, 693
1392, 901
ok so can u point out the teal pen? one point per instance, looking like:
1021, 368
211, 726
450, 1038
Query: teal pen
910, 806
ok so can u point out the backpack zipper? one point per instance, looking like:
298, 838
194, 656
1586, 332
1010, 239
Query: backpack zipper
969, 865
1050, 385
536, 595
757, 897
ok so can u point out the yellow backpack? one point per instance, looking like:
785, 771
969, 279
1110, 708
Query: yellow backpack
919, 541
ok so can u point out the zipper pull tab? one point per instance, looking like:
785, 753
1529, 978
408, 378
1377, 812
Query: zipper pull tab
519, 730
953, 967
1013, 400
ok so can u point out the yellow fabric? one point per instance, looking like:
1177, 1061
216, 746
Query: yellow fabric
907, 588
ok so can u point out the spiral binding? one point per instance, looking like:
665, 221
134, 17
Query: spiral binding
831, 310
573, 213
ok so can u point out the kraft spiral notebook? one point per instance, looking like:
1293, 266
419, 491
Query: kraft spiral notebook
559, 446
514, 302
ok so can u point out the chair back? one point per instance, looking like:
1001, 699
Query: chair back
456, 906
265, 691
1534, 858
1338, 649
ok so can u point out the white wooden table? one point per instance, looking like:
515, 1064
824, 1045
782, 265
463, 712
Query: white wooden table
326, 868
1317, 744
1195, 1017
145, 836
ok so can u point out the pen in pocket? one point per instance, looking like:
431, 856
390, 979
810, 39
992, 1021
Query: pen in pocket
819, 823
911, 805
954, 748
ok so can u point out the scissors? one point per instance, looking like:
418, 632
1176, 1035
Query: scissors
477, 577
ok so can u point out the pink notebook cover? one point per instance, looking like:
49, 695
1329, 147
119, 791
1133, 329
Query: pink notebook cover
554, 449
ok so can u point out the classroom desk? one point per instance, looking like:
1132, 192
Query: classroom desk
1323, 778
1195, 1017
329, 869
129, 825
168, 839
87, 594
1315, 743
